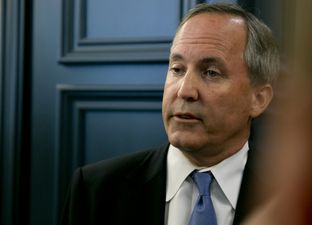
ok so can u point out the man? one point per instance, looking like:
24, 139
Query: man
222, 64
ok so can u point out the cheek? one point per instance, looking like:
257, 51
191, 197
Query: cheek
240, 105
230, 102
170, 90
167, 98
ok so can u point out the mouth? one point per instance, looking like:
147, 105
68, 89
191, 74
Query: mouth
186, 116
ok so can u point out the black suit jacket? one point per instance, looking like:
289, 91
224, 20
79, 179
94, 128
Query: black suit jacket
131, 190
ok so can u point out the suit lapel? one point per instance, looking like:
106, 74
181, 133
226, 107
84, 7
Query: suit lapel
249, 197
148, 192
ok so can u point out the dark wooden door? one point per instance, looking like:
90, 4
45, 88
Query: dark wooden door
81, 81
98, 68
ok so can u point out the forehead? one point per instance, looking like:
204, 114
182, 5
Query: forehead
214, 18
225, 30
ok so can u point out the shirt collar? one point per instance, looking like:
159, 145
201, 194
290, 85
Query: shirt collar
178, 169
228, 173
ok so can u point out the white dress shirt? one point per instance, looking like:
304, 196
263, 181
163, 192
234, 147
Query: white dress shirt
182, 193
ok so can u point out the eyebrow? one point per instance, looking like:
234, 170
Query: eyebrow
176, 57
212, 60
206, 60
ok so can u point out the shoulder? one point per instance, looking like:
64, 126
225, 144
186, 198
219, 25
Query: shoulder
122, 166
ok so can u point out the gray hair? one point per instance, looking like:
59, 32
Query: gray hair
261, 53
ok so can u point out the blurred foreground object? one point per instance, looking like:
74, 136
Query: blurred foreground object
288, 150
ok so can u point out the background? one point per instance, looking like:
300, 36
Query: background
81, 81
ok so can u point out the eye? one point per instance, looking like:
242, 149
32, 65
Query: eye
177, 70
211, 73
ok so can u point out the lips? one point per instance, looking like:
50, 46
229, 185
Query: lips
186, 116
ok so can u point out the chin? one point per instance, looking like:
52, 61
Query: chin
185, 143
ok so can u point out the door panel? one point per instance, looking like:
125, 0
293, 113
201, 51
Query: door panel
98, 74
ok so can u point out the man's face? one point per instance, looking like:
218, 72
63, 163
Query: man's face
207, 95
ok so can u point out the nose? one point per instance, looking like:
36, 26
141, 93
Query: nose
188, 89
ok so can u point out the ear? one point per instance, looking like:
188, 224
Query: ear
261, 98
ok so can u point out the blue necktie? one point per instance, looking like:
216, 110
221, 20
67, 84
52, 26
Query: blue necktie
203, 212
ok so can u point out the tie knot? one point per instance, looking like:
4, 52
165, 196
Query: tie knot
202, 181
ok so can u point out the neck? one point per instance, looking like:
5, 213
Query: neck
213, 156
